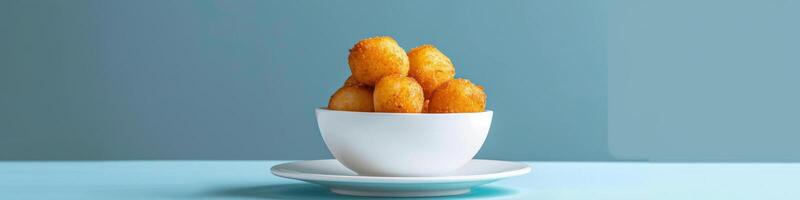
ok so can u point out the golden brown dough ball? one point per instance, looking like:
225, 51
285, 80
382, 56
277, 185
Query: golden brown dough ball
351, 81
373, 58
457, 96
430, 67
398, 94
352, 98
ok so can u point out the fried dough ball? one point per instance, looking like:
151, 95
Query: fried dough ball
373, 58
398, 94
352, 98
458, 96
351, 82
430, 67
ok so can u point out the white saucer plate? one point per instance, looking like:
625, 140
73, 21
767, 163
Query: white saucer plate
340, 180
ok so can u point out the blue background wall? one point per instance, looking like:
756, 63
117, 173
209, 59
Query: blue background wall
569, 80
708, 80
240, 79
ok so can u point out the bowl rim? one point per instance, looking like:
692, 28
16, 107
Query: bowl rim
325, 109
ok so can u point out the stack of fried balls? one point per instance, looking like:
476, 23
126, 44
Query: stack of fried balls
384, 78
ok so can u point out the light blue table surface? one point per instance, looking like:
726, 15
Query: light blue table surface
252, 180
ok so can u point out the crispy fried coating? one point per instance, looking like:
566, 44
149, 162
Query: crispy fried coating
457, 96
430, 67
351, 82
352, 98
398, 94
373, 58
425, 106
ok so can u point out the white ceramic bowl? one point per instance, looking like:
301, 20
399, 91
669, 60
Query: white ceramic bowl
403, 144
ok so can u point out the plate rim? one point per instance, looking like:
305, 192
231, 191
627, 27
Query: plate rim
277, 171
